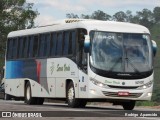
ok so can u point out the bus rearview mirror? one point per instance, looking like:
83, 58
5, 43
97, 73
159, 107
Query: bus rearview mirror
154, 47
86, 44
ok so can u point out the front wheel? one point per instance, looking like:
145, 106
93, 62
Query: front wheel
129, 105
71, 100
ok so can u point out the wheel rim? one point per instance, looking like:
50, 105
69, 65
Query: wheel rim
28, 93
71, 94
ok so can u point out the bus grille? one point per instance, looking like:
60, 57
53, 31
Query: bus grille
115, 94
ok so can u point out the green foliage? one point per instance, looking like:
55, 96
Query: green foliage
145, 103
14, 15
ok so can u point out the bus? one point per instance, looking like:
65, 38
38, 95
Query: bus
81, 61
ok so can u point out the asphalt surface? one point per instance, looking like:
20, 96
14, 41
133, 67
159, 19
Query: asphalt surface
59, 111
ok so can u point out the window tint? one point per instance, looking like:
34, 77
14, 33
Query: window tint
31, 40
21, 45
66, 43
48, 40
35, 46
42, 46
53, 44
73, 41
70, 43
9, 48
59, 44
15, 48
26, 44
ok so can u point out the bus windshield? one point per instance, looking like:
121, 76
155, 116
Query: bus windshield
121, 52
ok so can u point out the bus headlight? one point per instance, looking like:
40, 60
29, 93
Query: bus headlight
145, 86
98, 83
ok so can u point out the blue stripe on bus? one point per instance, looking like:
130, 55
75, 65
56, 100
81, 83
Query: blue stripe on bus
14, 69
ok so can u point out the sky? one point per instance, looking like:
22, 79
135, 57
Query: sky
53, 10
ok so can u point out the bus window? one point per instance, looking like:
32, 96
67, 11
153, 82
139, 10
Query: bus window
31, 42
20, 42
53, 44
73, 41
10, 45
66, 43
48, 40
42, 46
15, 48
70, 43
59, 44
35, 46
26, 44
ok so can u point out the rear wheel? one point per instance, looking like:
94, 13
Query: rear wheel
28, 95
129, 105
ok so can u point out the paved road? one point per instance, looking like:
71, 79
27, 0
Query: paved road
63, 112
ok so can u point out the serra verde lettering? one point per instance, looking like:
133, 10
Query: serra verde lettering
112, 82
63, 68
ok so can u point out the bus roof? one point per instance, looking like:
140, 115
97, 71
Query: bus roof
110, 26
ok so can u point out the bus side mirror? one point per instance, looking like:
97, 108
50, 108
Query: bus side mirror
86, 44
154, 47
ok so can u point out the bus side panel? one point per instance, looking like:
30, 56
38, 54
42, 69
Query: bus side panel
60, 88
14, 87
83, 85
52, 87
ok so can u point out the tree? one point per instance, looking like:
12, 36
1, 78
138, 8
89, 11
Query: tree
14, 15
72, 15
156, 14
120, 16
146, 18
100, 15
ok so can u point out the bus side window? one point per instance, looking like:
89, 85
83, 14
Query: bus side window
48, 41
26, 44
42, 46
70, 44
59, 44
15, 48
9, 48
35, 46
20, 42
53, 44
66, 43
73, 41
31, 42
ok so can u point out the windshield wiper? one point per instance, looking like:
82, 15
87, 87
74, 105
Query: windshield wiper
135, 69
117, 61
130, 61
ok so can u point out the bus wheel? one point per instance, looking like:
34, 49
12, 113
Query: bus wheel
72, 102
129, 105
28, 95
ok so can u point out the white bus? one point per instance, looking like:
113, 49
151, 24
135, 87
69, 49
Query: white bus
80, 61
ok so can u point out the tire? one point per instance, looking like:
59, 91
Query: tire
28, 95
129, 105
71, 100
7, 97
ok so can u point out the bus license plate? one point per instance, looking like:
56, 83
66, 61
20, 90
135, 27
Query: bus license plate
123, 93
